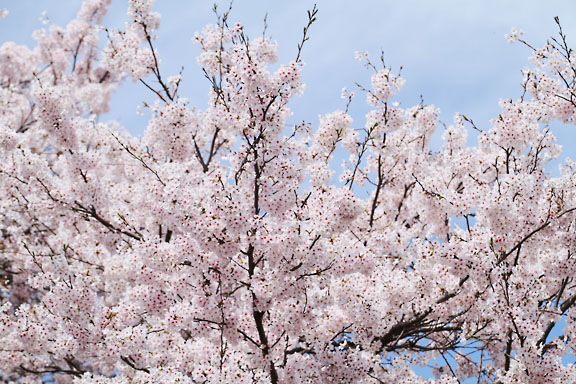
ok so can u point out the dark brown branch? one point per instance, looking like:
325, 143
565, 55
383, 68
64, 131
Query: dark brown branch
130, 362
508, 352
528, 236
311, 19
139, 158
377, 193
52, 369
94, 214
153, 90
156, 68
566, 305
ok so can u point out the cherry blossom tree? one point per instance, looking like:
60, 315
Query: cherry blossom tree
224, 246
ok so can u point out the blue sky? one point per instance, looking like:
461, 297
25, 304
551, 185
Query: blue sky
453, 52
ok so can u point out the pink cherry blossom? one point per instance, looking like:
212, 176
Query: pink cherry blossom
224, 245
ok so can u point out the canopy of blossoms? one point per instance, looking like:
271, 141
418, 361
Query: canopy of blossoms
223, 246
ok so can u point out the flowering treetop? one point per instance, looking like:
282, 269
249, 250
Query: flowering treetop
220, 247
